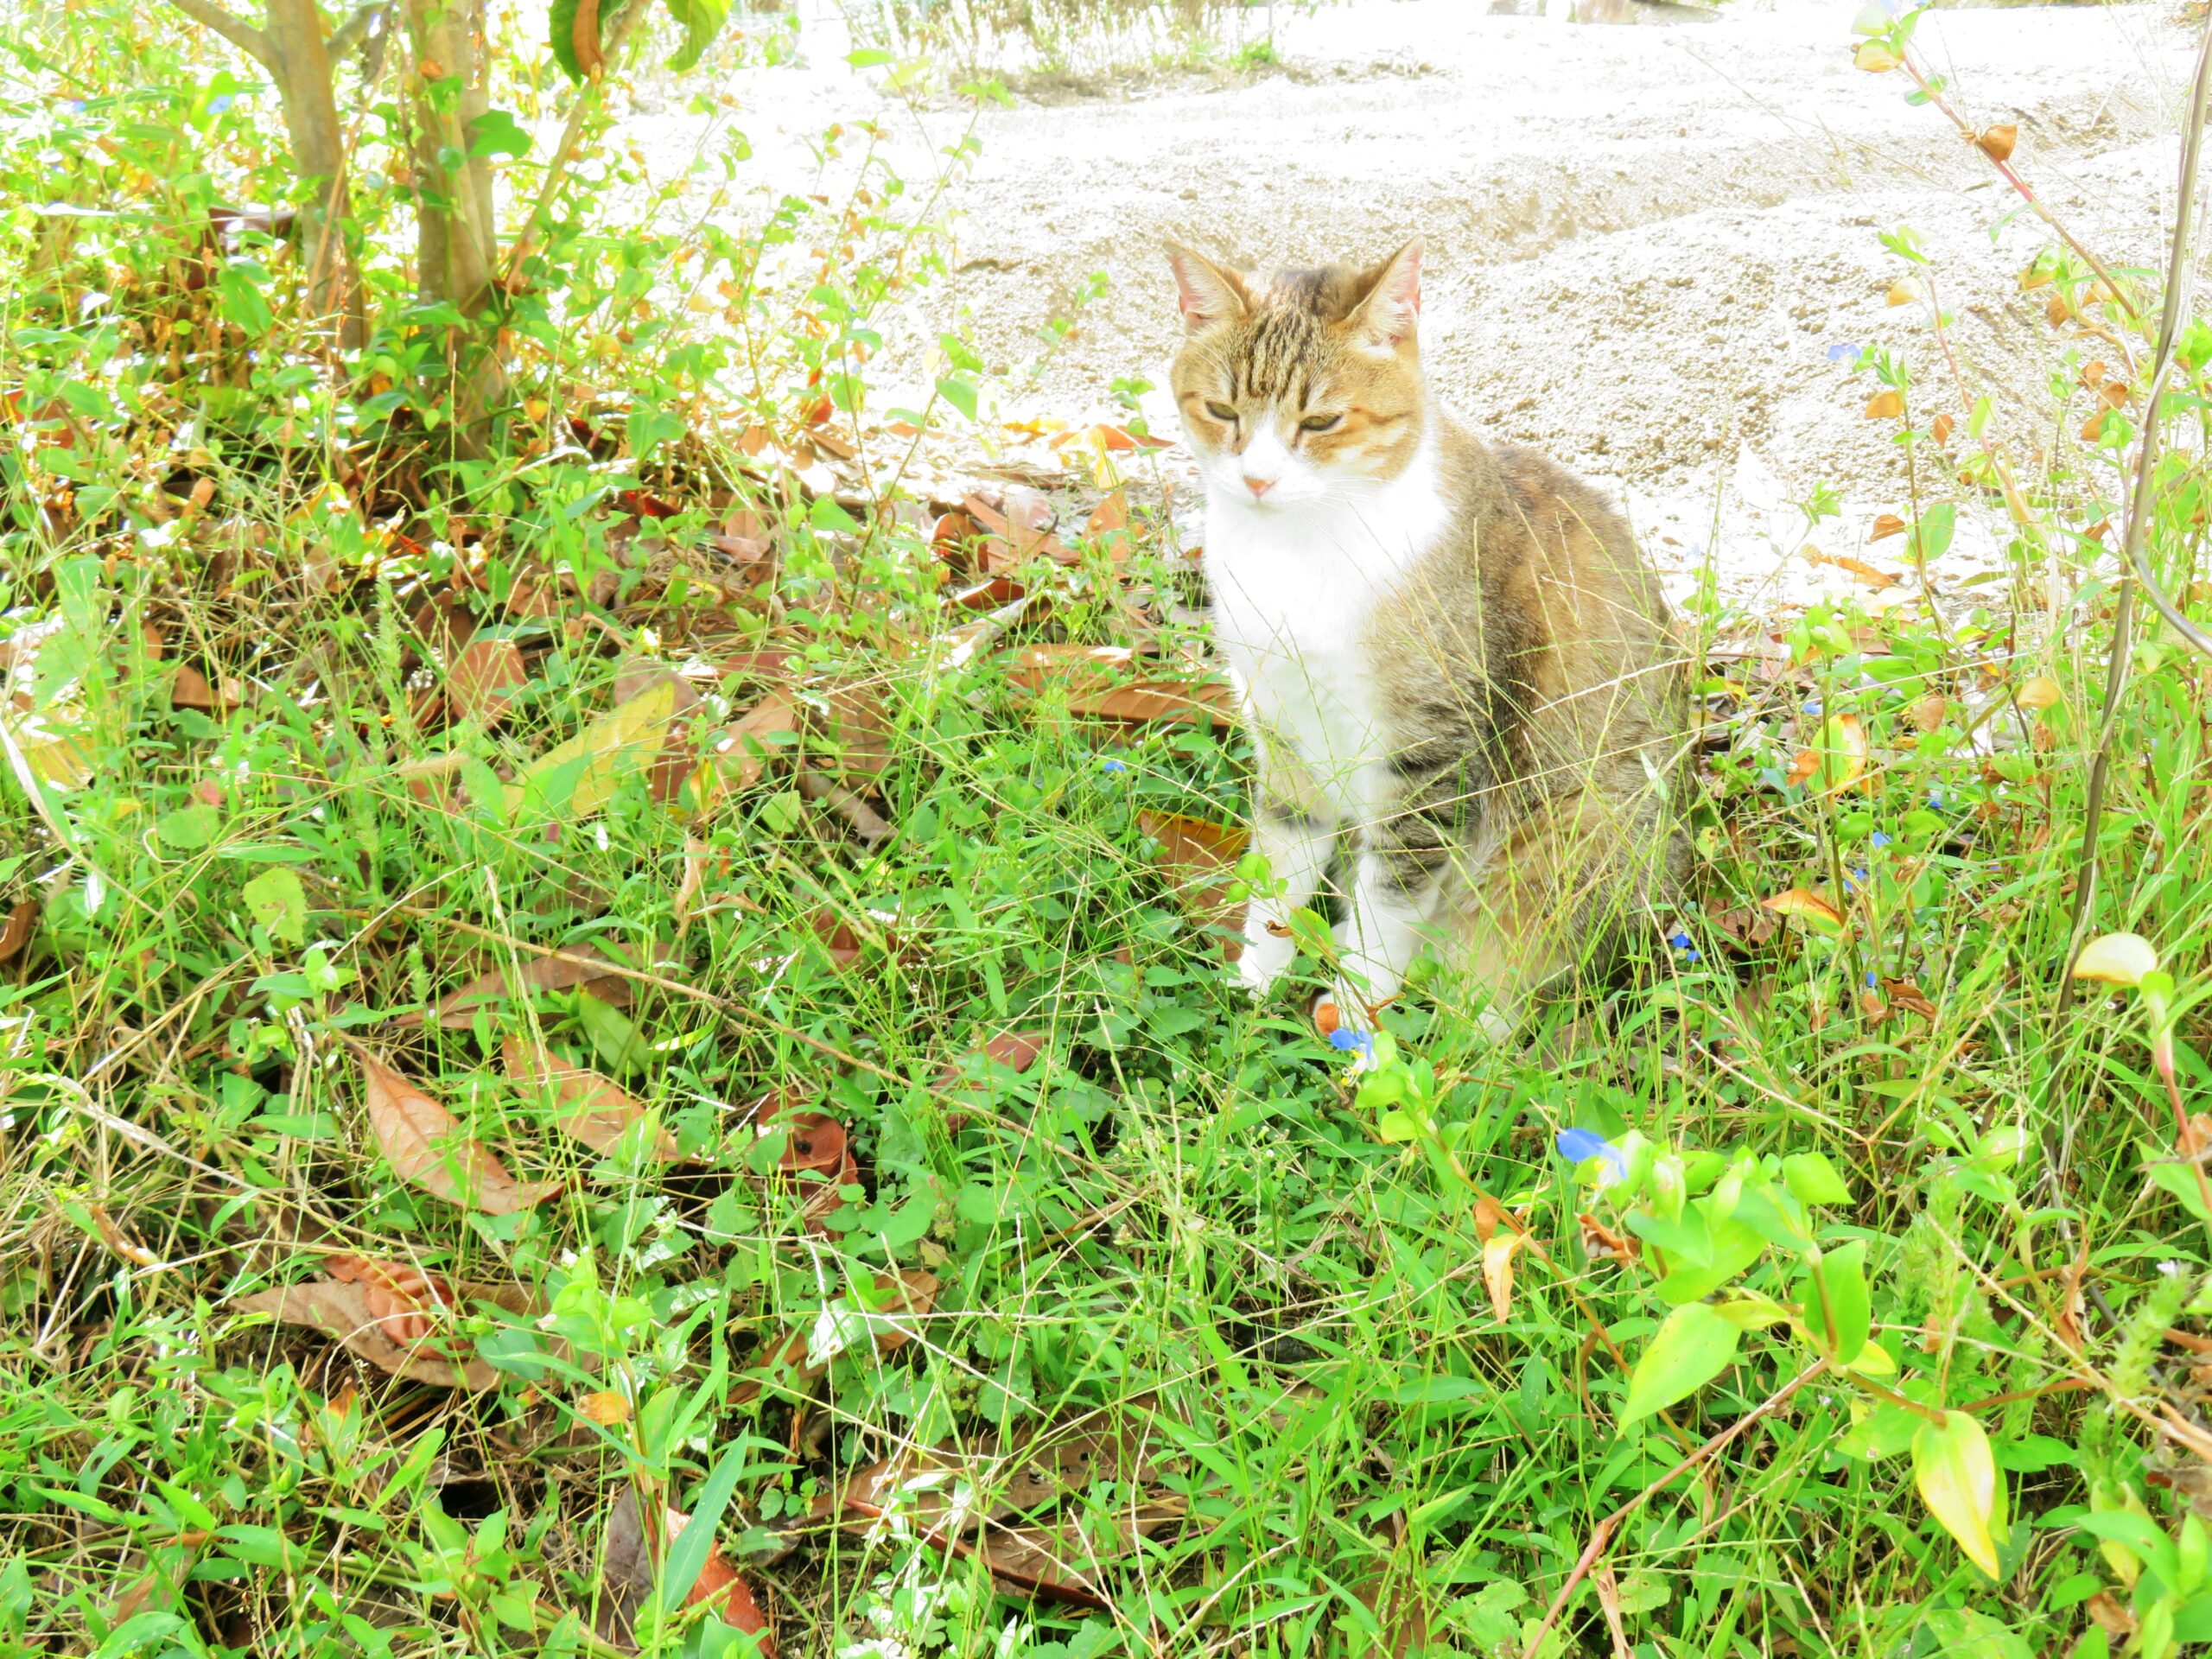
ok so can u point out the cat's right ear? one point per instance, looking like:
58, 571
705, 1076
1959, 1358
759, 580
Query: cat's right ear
1210, 294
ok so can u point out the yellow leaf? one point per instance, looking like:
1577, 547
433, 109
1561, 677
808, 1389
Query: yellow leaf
1874, 57
1873, 1361
54, 755
1957, 1479
2116, 958
1907, 289
2040, 692
1497, 1271
1885, 406
605, 1409
624, 741
1796, 901
1997, 142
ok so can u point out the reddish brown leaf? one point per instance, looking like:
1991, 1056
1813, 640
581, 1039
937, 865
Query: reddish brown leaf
583, 40
1109, 515
190, 690
1872, 575
858, 732
747, 747
633, 1555
1601, 1243
817, 1156
1903, 994
1798, 901
425, 1149
484, 679
1200, 858
597, 1110
1997, 141
1926, 714
363, 1311
17, 933
575, 966
1747, 926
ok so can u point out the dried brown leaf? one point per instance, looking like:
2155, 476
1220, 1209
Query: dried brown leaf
484, 679
632, 1557
23, 919
1201, 858
574, 967
359, 1313
596, 1110
425, 1149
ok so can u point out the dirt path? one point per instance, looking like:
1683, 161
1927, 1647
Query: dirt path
1643, 240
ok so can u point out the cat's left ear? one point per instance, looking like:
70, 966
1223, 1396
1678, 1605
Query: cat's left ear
1387, 316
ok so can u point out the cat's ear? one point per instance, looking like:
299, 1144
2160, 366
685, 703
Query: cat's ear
1210, 294
1385, 318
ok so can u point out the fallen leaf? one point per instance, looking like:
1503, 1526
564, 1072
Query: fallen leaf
362, 1312
745, 747
1201, 859
1926, 714
1798, 901
816, 1145
579, 777
1747, 926
577, 965
484, 679
633, 1556
1903, 994
857, 732
1017, 1051
1872, 575
607, 1409
597, 1110
1110, 515
190, 690
695, 876
425, 1148
17, 933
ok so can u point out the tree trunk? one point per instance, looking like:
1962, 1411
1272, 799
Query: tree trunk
291, 47
456, 251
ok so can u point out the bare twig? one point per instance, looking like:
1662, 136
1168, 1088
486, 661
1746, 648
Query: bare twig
2178, 272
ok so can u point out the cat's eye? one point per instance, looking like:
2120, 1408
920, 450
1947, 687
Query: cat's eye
1220, 411
1318, 422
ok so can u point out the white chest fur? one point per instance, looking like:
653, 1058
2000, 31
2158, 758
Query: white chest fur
1294, 590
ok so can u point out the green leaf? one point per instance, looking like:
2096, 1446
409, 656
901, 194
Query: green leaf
701, 20
496, 132
867, 57
561, 37
1843, 1280
189, 827
576, 778
619, 1043
1693, 1347
959, 393
687, 1557
1813, 1180
1957, 1478
1931, 537
279, 903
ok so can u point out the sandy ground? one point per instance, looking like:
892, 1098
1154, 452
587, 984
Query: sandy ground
1644, 241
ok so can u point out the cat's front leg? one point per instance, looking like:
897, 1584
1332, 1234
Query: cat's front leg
1380, 938
1296, 847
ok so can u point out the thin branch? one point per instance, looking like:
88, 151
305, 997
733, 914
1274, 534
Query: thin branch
564, 151
354, 29
254, 42
2179, 270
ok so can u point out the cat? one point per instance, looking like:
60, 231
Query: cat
1451, 655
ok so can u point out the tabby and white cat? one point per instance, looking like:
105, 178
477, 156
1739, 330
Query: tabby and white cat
1456, 665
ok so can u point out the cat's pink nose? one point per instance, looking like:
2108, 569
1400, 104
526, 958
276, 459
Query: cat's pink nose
1259, 487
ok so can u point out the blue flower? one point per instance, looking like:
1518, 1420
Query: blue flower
1113, 767
1934, 797
1345, 1041
219, 103
1840, 350
1859, 873
1693, 956
1880, 838
1681, 941
1870, 979
1813, 707
1580, 1145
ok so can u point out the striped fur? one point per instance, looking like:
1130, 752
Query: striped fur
1460, 671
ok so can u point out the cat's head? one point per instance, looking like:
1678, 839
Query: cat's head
1302, 389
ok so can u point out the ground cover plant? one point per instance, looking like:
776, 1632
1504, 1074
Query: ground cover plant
613, 1031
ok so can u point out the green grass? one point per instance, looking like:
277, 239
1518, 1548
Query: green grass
1186, 1241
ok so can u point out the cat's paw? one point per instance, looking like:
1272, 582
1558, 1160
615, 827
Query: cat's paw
1263, 962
